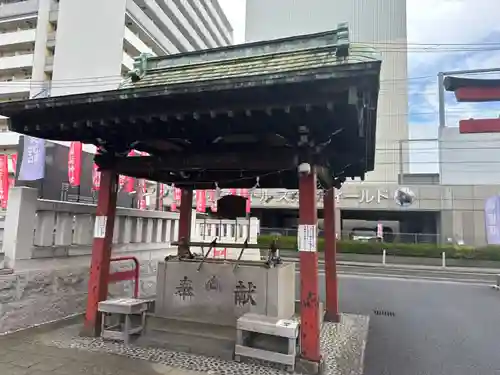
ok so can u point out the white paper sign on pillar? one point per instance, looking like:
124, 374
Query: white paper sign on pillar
100, 226
307, 236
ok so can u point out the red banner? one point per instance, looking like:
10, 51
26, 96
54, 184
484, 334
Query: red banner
213, 201
220, 253
122, 180
142, 187
96, 178
177, 194
74, 163
245, 194
13, 160
161, 194
232, 191
201, 200
4, 180
141, 191
129, 185
176, 199
126, 183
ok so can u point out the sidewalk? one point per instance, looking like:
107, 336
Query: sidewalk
20, 354
57, 349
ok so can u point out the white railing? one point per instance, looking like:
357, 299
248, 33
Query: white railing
18, 86
17, 37
227, 233
36, 228
66, 229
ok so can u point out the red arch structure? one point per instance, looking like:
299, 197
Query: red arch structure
471, 90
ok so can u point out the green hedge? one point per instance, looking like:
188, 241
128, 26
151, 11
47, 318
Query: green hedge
401, 249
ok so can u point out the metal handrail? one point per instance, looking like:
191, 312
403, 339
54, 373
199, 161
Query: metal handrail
126, 275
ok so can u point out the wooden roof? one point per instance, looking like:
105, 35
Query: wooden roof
227, 113
271, 65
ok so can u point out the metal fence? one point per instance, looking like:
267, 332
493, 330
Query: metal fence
420, 238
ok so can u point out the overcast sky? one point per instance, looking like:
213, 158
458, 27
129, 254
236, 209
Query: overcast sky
461, 34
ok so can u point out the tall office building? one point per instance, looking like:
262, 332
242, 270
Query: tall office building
60, 47
376, 22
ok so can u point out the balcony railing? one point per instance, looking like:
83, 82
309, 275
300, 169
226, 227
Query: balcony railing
17, 37
16, 62
18, 8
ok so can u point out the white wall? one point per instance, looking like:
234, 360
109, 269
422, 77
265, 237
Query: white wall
89, 44
379, 21
423, 147
469, 159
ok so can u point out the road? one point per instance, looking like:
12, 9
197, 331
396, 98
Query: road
438, 327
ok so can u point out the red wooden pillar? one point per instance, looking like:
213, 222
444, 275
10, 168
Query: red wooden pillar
332, 305
309, 290
186, 213
101, 251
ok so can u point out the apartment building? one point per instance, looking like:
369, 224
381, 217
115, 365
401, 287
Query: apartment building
61, 47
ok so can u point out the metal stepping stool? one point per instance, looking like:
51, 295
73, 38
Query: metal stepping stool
262, 324
122, 318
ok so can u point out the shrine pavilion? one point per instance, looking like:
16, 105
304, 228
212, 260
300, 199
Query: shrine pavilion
290, 113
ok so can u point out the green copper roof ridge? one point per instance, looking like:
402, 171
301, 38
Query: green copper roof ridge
348, 56
340, 36
246, 58
334, 32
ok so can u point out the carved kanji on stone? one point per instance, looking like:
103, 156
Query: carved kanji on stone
244, 294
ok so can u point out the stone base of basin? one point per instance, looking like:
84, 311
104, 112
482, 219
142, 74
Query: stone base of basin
219, 293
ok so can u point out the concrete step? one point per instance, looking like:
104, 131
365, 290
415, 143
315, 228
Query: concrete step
190, 337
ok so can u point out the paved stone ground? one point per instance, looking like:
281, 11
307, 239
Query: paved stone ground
21, 355
59, 351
